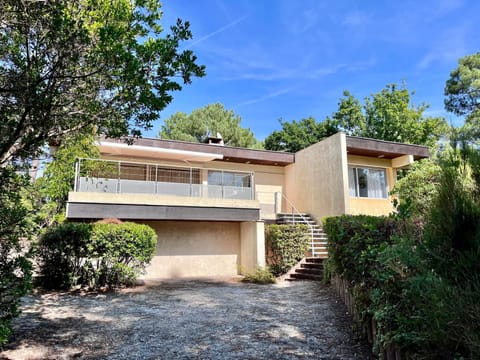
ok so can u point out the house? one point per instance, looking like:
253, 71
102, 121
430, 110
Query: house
209, 202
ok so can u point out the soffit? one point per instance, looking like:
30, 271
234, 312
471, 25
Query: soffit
384, 149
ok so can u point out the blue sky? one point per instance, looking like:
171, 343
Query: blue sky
271, 59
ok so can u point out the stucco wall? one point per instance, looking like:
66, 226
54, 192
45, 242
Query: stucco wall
252, 244
318, 181
372, 206
195, 249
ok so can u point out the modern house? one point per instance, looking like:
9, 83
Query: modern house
209, 202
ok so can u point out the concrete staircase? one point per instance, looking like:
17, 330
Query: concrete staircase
318, 248
307, 269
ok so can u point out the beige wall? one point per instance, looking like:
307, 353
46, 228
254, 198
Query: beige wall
195, 249
372, 206
252, 246
318, 181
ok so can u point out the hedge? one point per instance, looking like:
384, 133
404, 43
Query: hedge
94, 255
286, 245
416, 311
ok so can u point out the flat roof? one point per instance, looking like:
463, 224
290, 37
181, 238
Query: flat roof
355, 146
230, 153
384, 149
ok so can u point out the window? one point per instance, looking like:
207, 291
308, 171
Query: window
366, 182
229, 179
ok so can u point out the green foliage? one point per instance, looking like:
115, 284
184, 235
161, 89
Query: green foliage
417, 189
353, 242
421, 289
15, 267
260, 276
51, 190
67, 65
462, 92
94, 255
388, 115
286, 246
207, 121
297, 135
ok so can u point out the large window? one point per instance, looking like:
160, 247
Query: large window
367, 182
226, 178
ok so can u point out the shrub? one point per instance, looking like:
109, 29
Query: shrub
15, 266
353, 242
286, 245
94, 255
260, 276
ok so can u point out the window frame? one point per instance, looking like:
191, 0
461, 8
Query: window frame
357, 182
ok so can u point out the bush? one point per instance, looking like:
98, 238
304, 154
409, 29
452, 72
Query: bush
260, 276
94, 255
353, 242
15, 266
286, 245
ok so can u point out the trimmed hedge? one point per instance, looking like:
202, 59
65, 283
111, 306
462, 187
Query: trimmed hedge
417, 310
94, 255
286, 245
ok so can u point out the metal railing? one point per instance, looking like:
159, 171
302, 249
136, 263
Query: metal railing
112, 176
294, 212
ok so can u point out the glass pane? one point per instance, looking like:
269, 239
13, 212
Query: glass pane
214, 178
352, 182
362, 182
376, 184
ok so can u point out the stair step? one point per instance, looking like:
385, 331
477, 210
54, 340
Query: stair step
309, 271
313, 260
296, 276
311, 266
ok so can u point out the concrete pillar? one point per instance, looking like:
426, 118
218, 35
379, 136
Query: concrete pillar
252, 246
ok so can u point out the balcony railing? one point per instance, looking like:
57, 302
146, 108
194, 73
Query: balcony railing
109, 176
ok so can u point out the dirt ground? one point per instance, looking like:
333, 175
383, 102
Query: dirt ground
188, 320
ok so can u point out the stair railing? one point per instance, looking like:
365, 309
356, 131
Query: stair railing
295, 211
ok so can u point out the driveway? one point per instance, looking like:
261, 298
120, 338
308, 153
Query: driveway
188, 320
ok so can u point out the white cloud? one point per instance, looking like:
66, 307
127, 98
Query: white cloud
266, 97
218, 31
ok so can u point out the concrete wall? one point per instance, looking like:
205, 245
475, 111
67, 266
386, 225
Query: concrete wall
195, 249
206, 249
318, 181
252, 246
372, 206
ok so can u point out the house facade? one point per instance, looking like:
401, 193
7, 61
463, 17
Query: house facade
209, 202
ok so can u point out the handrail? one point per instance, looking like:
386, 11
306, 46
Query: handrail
294, 210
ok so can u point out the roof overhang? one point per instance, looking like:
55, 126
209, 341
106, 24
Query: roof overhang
216, 152
114, 148
385, 149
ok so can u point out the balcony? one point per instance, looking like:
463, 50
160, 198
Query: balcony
121, 177
125, 189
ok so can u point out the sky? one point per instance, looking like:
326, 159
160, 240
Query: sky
273, 59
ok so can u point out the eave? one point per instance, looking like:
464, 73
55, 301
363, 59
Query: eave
384, 149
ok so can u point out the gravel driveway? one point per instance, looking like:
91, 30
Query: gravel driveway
188, 320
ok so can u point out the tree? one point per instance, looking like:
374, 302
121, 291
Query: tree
297, 135
207, 121
389, 115
67, 65
51, 195
462, 93
15, 268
